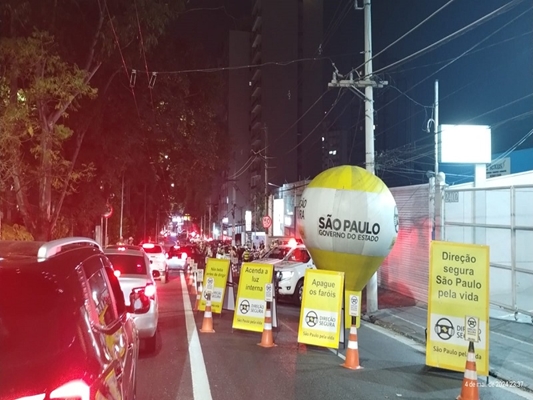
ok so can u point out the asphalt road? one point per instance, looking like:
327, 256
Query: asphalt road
228, 364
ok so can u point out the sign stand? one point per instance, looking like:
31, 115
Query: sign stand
229, 298
274, 305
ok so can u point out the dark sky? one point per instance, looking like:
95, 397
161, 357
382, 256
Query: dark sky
472, 89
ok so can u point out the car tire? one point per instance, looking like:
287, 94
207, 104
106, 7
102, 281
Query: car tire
167, 276
298, 292
149, 343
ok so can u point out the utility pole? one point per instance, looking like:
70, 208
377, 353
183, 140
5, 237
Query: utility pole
438, 194
121, 206
266, 185
368, 83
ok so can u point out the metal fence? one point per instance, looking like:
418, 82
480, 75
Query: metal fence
502, 218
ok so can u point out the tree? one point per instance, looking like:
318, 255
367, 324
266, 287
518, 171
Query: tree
50, 53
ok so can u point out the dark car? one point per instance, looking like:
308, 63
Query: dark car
188, 251
65, 331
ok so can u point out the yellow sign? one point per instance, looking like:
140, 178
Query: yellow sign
347, 316
218, 270
458, 287
251, 304
320, 314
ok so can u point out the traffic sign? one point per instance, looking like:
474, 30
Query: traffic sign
269, 292
472, 328
210, 284
267, 222
354, 305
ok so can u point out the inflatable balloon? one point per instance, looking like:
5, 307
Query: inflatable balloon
348, 220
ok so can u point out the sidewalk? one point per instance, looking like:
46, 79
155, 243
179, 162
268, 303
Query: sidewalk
510, 342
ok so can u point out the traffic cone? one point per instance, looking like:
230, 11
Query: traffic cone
470, 390
207, 324
352, 353
266, 339
193, 290
198, 297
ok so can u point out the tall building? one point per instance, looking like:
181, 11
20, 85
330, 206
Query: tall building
283, 110
285, 119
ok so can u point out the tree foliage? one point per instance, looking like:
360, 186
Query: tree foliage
73, 124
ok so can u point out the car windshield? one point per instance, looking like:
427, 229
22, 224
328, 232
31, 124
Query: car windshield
34, 302
128, 264
277, 253
153, 249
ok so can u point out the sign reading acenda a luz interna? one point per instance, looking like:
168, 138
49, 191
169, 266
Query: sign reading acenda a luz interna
458, 287
251, 302
216, 269
320, 313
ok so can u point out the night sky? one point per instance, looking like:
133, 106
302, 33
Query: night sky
492, 85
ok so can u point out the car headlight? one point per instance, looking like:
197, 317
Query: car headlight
286, 275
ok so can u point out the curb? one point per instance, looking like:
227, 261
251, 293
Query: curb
392, 327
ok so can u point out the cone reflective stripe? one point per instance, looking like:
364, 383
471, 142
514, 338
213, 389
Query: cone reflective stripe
352, 353
266, 339
470, 390
207, 323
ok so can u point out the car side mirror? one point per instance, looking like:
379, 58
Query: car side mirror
139, 302
156, 273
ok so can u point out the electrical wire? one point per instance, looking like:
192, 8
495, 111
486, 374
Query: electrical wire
122, 57
460, 55
339, 96
144, 54
456, 34
404, 35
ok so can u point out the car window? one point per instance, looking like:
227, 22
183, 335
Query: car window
100, 293
37, 316
117, 291
155, 249
277, 252
300, 255
128, 264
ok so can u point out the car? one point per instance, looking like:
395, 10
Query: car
290, 263
132, 268
158, 260
188, 251
125, 246
177, 258
65, 329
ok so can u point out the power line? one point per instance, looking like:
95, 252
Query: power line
404, 35
460, 55
452, 36
122, 57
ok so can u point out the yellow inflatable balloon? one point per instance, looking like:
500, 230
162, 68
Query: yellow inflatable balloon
348, 220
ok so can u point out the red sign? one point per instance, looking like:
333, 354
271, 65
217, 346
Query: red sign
267, 222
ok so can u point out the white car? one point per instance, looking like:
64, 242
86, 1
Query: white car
158, 259
290, 264
132, 268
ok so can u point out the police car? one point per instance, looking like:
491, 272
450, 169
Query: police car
290, 263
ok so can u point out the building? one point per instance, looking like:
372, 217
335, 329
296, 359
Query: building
281, 141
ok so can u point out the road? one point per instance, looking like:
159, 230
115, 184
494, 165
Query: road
228, 364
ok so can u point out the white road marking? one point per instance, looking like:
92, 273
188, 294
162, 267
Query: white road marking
200, 381
511, 338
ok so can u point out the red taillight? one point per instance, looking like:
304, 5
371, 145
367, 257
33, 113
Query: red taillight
78, 390
149, 290
183, 256
117, 273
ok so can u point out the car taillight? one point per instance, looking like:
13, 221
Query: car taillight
73, 390
183, 256
149, 290
117, 273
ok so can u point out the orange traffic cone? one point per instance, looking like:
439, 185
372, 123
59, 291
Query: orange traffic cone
207, 324
352, 353
266, 339
198, 297
193, 290
470, 390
